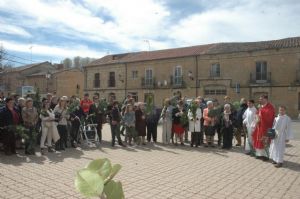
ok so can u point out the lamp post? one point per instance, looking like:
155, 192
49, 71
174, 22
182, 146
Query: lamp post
148, 42
48, 76
190, 75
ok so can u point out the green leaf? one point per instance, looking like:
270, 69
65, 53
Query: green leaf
89, 183
115, 169
102, 166
114, 190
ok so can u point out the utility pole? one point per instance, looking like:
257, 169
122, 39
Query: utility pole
148, 42
31, 53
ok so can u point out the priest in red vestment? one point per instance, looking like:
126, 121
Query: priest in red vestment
265, 119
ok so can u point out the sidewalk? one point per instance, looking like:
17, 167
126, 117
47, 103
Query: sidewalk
155, 171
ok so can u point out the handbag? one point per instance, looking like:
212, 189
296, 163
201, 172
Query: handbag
271, 133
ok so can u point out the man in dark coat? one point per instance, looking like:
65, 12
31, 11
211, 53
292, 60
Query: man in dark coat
152, 122
9, 117
97, 116
75, 117
115, 124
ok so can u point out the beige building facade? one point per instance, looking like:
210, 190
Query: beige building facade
44, 76
235, 69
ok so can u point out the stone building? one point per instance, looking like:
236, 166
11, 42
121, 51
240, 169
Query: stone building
246, 69
45, 76
12, 78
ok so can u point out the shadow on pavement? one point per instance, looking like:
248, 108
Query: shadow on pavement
20, 158
292, 165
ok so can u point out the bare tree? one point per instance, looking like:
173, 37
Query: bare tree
4, 61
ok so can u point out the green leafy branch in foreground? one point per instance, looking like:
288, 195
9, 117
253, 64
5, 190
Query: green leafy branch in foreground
95, 180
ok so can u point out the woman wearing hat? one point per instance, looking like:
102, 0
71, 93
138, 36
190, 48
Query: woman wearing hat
30, 119
61, 116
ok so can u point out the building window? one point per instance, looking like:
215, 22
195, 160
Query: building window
134, 74
97, 80
261, 70
112, 79
215, 92
149, 77
215, 70
178, 75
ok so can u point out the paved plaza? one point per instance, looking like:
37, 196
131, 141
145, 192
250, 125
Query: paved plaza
156, 171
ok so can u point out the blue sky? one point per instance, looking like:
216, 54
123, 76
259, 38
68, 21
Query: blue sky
57, 29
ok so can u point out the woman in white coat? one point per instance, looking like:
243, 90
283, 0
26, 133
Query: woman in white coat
282, 126
195, 115
49, 127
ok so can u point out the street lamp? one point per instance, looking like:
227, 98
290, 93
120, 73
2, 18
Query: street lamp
48, 76
190, 75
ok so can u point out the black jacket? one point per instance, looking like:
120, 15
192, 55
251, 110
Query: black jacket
115, 114
6, 117
98, 116
231, 118
239, 115
79, 113
176, 119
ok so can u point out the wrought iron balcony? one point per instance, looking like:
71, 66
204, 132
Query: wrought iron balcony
214, 74
111, 83
97, 83
177, 82
148, 82
260, 78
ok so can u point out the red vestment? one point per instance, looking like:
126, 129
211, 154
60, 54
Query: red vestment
85, 105
266, 118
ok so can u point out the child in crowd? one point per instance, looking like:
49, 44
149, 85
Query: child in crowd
282, 126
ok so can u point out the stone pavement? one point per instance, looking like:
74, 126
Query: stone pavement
155, 171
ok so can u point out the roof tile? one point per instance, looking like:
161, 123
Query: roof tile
218, 48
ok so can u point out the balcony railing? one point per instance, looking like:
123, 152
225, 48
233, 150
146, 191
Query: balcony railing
260, 78
148, 82
96, 83
111, 83
177, 82
214, 74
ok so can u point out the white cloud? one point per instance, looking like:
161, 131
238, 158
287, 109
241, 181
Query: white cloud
133, 21
55, 51
14, 30
250, 21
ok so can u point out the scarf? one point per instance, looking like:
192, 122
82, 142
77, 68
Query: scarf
227, 119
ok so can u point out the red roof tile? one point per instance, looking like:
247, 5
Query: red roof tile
218, 48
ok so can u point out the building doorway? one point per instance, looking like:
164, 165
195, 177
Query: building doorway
149, 98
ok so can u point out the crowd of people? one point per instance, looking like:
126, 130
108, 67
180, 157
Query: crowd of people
57, 123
